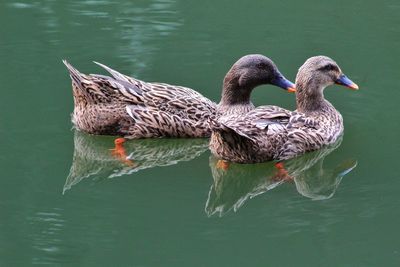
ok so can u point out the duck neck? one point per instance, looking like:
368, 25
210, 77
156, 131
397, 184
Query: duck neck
233, 93
310, 96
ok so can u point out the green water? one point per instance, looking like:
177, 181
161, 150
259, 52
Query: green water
65, 200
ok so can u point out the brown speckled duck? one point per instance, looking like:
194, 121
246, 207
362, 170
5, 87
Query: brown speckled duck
273, 133
125, 106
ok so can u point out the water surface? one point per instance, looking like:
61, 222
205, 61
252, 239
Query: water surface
66, 200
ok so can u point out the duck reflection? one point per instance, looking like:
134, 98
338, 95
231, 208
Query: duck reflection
99, 158
235, 184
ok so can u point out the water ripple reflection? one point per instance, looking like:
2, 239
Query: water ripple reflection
93, 156
47, 236
238, 183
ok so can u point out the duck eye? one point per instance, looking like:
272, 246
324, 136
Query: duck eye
328, 67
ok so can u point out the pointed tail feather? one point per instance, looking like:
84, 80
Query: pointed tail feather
80, 82
114, 73
130, 84
76, 76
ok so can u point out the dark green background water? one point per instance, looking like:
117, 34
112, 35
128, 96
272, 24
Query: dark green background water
65, 200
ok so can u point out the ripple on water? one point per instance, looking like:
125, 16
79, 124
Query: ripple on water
46, 238
20, 5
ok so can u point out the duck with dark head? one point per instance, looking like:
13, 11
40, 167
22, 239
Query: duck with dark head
273, 133
246, 74
125, 106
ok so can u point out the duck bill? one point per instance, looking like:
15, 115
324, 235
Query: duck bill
284, 83
345, 81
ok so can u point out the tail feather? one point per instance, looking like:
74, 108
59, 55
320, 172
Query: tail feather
80, 82
76, 76
128, 83
114, 73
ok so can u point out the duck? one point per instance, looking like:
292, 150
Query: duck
125, 106
271, 133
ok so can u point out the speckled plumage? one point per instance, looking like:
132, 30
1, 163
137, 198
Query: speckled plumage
125, 106
122, 105
273, 133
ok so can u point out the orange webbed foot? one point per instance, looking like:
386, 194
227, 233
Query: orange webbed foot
222, 164
282, 174
119, 152
119, 148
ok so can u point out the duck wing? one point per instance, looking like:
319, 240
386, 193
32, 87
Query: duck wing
162, 97
300, 120
260, 122
304, 133
253, 137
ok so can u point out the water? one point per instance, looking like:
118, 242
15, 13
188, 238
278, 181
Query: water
65, 200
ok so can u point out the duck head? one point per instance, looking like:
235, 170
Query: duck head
247, 73
313, 77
